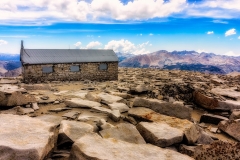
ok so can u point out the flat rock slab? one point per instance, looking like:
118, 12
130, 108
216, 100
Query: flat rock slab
175, 109
8, 81
72, 130
37, 86
59, 109
211, 118
23, 137
231, 127
227, 92
102, 110
80, 103
119, 106
108, 98
15, 98
214, 104
71, 114
80, 94
18, 111
50, 118
125, 132
109, 149
190, 130
84, 117
160, 134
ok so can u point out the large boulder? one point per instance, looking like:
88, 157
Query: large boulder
23, 137
190, 130
125, 132
175, 109
95, 147
160, 134
231, 127
80, 103
108, 98
15, 98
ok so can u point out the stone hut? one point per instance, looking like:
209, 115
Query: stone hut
41, 65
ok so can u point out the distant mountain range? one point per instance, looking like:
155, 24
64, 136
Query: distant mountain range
9, 57
10, 65
185, 60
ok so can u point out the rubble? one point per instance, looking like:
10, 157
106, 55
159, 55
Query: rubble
184, 112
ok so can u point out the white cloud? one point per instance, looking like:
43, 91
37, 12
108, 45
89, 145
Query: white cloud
3, 42
210, 32
231, 53
239, 37
93, 45
230, 32
45, 12
220, 21
202, 51
150, 34
41, 11
218, 9
125, 46
78, 44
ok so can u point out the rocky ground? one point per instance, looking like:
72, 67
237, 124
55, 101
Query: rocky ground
146, 114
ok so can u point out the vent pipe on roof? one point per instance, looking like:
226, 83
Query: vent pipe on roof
22, 44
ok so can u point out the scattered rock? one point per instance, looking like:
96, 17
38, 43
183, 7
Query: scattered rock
160, 134
115, 115
80, 103
211, 118
15, 98
109, 149
91, 117
175, 109
119, 106
130, 120
188, 150
50, 118
108, 99
102, 124
92, 97
70, 131
44, 97
204, 138
35, 106
139, 89
190, 130
125, 132
59, 109
71, 114
235, 115
213, 103
231, 127
37, 86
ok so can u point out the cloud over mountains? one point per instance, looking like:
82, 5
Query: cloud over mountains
45, 11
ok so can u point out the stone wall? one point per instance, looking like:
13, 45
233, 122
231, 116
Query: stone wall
62, 72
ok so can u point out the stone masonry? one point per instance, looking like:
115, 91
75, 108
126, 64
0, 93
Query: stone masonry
61, 72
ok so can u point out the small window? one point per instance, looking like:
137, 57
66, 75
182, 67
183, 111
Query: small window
103, 66
74, 68
47, 69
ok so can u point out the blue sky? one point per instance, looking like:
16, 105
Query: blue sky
127, 26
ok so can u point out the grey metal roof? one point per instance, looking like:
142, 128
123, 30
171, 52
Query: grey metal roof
49, 56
